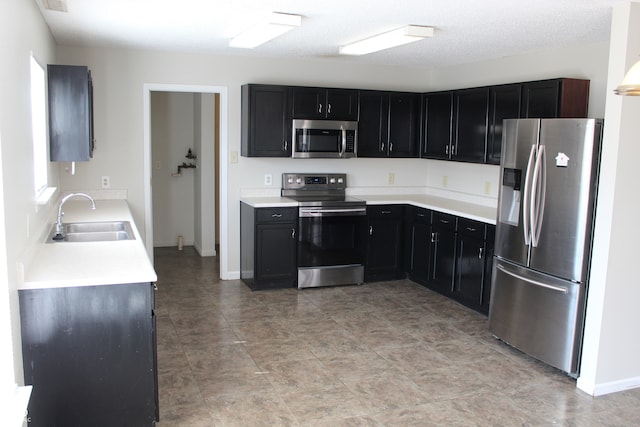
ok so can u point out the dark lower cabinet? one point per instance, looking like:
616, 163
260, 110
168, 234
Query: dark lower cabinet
268, 242
420, 238
385, 242
90, 354
488, 269
442, 253
471, 256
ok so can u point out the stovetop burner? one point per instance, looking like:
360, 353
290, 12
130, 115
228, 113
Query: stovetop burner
318, 189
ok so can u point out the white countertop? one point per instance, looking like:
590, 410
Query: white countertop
70, 264
474, 211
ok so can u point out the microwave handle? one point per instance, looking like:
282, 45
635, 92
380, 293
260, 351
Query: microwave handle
344, 142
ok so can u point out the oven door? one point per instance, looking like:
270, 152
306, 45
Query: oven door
330, 237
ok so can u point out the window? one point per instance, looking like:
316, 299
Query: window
39, 129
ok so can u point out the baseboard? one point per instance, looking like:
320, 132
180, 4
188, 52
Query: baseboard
203, 253
615, 386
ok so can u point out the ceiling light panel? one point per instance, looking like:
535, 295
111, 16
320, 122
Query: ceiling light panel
269, 28
404, 35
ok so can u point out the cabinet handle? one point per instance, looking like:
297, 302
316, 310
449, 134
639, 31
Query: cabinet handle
390, 146
371, 230
385, 212
480, 254
293, 233
320, 108
446, 150
421, 215
434, 237
285, 145
471, 229
381, 145
444, 221
276, 215
328, 108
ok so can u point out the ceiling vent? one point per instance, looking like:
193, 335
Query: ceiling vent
57, 5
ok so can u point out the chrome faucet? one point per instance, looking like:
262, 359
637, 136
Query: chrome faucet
59, 229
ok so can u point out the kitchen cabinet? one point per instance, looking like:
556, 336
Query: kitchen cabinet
385, 243
556, 98
388, 125
471, 256
442, 258
488, 269
70, 98
268, 240
504, 103
420, 241
437, 129
90, 354
322, 103
471, 125
266, 121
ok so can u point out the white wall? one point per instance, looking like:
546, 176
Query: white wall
22, 31
172, 128
611, 345
205, 233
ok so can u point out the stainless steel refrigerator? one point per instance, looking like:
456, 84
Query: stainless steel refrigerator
546, 212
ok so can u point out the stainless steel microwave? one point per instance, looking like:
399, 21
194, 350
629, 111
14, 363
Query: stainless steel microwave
324, 139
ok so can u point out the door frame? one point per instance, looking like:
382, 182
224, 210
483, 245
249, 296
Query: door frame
222, 91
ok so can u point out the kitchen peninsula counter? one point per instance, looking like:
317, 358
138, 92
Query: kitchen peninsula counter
72, 264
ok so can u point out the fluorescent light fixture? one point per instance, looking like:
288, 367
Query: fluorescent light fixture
269, 28
631, 83
404, 35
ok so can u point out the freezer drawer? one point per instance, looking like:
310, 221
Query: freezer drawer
538, 314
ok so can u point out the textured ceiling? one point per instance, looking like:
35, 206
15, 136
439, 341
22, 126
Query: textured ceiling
465, 30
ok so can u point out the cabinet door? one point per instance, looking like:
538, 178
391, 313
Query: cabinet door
89, 353
342, 104
437, 110
403, 125
488, 269
471, 115
70, 98
541, 99
372, 124
470, 265
384, 247
443, 252
309, 102
266, 128
275, 255
421, 239
504, 103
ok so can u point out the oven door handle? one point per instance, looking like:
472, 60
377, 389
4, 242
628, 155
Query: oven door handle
303, 212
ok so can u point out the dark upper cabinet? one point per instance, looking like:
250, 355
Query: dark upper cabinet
266, 122
557, 98
321, 103
504, 103
437, 115
470, 124
70, 90
388, 125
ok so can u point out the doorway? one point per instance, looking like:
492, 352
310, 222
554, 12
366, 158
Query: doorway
198, 97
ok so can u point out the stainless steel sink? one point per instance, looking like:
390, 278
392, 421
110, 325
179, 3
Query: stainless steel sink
93, 232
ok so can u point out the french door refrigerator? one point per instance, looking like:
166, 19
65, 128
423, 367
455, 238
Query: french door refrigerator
546, 210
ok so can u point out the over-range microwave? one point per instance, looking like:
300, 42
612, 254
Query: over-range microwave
325, 139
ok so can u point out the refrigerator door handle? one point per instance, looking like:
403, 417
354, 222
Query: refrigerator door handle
526, 203
533, 282
538, 195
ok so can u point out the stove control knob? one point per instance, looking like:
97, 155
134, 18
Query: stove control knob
340, 180
290, 180
332, 181
298, 180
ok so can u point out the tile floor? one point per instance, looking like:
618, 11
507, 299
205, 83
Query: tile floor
381, 354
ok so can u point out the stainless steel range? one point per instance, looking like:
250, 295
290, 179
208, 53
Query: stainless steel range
331, 229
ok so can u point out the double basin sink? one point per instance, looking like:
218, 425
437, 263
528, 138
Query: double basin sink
103, 231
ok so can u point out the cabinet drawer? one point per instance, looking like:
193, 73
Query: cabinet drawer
276, 214
444, 220
471, 228
421, 215
384, 211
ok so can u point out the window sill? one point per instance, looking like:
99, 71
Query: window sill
45, 195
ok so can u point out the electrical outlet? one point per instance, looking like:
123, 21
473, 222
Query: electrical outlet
445, 181
391, 178
487, 187
268, 179
158, 164
233, 157
106, 182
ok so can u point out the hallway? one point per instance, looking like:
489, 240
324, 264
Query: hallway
381, 354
